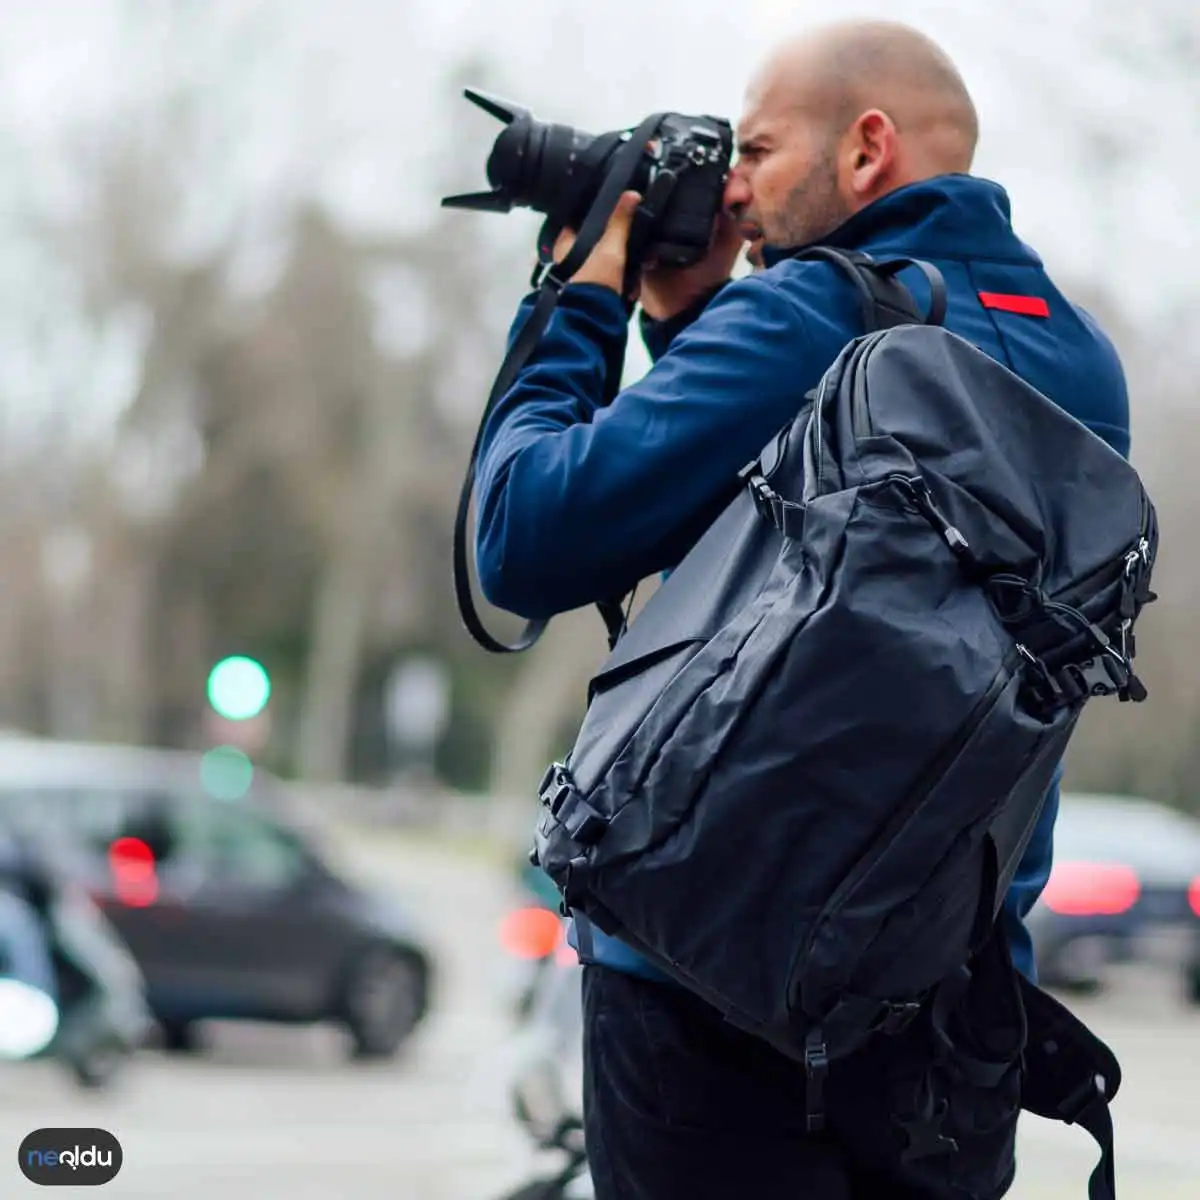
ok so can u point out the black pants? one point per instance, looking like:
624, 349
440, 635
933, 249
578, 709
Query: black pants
680, 1105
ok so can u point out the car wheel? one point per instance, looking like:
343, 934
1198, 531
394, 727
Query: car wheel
1077, 966
179, 1037
1083, 988
1192, 984
383, 1000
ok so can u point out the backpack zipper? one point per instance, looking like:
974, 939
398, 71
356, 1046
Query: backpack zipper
1113, 570
1129, 567
860, 415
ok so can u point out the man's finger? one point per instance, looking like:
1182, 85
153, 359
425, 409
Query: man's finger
626, 207
563, 244
617, 230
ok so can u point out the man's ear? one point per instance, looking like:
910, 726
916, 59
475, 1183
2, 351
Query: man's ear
873, 152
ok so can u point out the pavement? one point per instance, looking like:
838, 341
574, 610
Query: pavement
282, 1114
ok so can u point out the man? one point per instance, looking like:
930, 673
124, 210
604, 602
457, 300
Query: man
860, 136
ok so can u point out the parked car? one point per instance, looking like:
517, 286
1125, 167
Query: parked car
229, 909
1125, 886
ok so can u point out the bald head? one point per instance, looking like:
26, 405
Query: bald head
840, 71
837, 118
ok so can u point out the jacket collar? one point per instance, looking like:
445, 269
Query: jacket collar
949, 216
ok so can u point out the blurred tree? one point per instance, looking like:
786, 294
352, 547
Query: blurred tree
431, 328
244, 419
282, 476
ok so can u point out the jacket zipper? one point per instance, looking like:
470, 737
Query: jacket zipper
917, 795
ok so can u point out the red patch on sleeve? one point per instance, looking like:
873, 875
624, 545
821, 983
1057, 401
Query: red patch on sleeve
1025, 306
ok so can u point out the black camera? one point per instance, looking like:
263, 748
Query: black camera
677, 163
559, 171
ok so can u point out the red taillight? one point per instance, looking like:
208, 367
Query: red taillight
1194, 895
531, 932
135, 879
1080, 889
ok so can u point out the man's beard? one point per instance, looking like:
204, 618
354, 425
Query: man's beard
813, 208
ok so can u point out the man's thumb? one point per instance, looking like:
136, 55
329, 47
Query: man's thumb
622, 215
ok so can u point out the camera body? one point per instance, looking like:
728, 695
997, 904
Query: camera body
558, 171
697, 151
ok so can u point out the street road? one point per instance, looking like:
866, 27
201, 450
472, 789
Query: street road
279, 1114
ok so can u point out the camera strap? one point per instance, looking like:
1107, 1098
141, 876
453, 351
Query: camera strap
550, 282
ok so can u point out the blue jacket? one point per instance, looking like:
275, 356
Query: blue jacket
580, 500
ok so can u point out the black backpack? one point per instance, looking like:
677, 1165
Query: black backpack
809, 770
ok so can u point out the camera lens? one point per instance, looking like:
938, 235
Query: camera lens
541, 166
559, 171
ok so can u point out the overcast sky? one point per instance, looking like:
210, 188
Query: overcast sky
1088, 107
358, 82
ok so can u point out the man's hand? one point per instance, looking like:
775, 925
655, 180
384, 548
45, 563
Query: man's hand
667, 291
606, 263
664, 291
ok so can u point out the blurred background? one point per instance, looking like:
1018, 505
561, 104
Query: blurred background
243, 353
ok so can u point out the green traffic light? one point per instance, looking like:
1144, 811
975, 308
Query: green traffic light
238, 688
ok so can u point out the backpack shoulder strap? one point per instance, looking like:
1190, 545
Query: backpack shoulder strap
886, 302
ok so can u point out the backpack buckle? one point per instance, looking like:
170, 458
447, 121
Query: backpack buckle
786, 515
1081, 1099
566, 804
924, 1129
898, 1017
581, 821
555, 787
762, 495
816, 1068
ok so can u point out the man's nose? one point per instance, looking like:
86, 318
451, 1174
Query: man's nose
737, 192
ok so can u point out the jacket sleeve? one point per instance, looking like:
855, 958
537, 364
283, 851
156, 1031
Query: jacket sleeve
1032, 875
658, 335
579, 501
